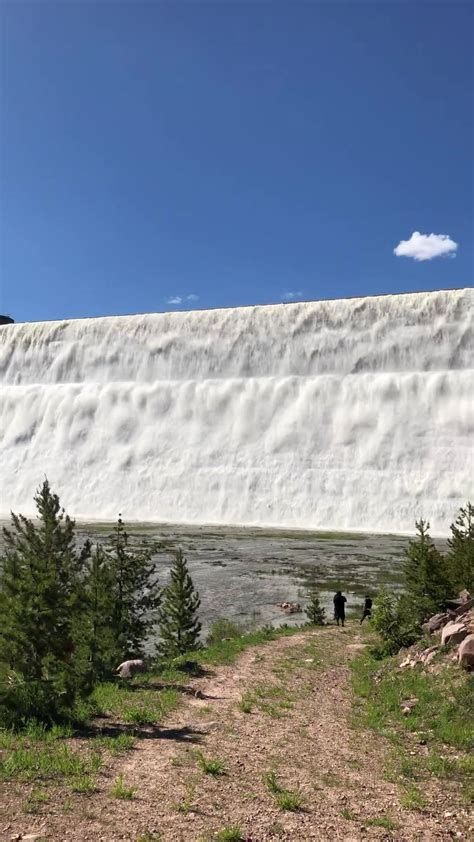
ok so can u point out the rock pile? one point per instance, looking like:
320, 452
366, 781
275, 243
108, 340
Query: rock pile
456, 629
290, 607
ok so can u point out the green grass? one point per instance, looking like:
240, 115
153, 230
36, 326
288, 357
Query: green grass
348, 814
381, 821
83, 784
245, 705
412, 799
149, 836
137, 706
443, 718
231, 833
288, 800
210, 766
35, 800
47, 762
227, 651
285, 799
117, 745
186, 805
121, 790
271, 699
271, 782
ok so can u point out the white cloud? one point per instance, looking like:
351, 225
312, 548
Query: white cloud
180, 299
290, 296
426, 246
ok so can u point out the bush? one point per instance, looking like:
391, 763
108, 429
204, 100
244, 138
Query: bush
223, 629
395, 619
314, 612
426, 573
461, 550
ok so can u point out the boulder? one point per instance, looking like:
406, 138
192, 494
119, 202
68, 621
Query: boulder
430, 657
464, 608
290, 607
435, 623
466, 652
130, 668
427, 653
453, 633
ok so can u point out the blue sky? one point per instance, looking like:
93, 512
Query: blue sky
236, 153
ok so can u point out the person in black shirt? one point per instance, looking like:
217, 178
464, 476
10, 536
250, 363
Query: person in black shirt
367, 609
339, 608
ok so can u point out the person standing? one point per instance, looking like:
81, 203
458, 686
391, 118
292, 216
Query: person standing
367, 612
339, 608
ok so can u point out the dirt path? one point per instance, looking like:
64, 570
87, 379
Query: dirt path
298, 727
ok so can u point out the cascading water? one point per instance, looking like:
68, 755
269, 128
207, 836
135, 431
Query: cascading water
351, 414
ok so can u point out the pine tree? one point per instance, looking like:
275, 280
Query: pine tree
40, 582
129, 573
314, 612
461, 550
104, 652
178, 623
426, 573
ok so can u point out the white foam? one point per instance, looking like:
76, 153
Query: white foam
352, 414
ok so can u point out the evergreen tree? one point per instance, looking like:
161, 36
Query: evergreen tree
179, 626
461, 550
98, 600
426, 573
314, 612
41, 651
128, 574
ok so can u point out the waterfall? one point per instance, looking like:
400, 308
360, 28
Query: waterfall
347, 414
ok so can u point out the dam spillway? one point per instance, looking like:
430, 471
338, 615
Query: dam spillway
352, 414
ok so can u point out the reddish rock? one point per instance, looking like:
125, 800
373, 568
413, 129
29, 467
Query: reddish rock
453, 633
435, 623
466, 652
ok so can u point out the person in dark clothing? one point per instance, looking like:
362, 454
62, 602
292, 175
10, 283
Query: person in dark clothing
339, 608
367, 609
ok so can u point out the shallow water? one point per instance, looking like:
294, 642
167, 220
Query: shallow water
243, 573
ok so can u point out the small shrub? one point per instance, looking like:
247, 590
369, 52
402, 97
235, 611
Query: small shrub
271, 783
35, 801
288, 800
284, 798
223, 629
412, 798
232, 833
314, 611
121, 790
187, 803
381, 821
117, 745
396, 621
140, 716
210, 766
83, 784
245, 705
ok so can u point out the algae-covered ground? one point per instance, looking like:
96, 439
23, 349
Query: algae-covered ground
242, 573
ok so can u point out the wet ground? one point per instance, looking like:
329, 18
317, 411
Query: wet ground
242, 573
